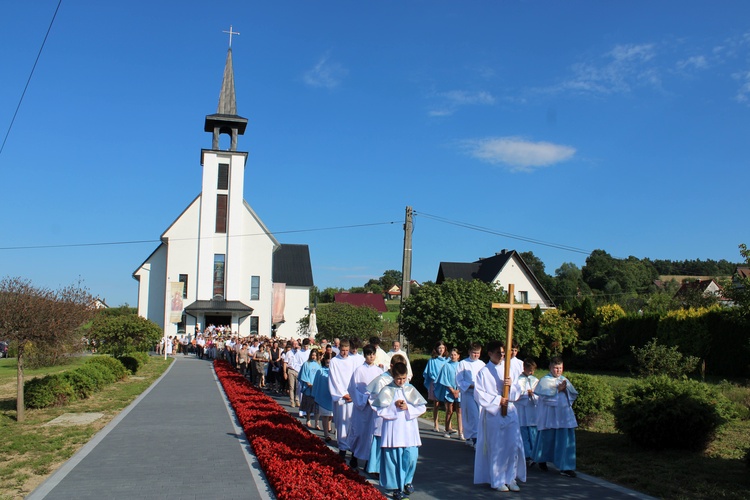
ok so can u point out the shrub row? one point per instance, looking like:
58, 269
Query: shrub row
660, 412
134, 361
62, 388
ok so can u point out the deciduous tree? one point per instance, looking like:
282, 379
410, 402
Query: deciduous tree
122, 334
345, 321
34, 317
459, 312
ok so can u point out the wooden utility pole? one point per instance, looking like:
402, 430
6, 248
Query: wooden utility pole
406, 267
510, 306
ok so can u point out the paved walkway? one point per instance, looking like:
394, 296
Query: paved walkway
180, 440
445, 470
177, 440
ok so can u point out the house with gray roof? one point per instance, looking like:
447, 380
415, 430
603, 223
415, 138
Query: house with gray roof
503, 268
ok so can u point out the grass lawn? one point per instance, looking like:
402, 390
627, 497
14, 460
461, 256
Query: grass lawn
29, 451
718, 473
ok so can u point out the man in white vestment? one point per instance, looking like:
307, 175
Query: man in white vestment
340, 374
363, 416
466, 375
499, 458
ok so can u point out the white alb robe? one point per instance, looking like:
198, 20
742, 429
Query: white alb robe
466, 374
499, 456
340, 374
363, 416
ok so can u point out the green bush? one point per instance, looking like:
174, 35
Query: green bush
660, 412
657, 359
131, 363
142, 357
99, 376
52, 390
117, 369
83, 385
595, 397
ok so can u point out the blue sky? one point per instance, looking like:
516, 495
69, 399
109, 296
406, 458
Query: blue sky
586, 124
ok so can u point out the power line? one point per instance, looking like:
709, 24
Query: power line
135, 242
38, 55
506, 235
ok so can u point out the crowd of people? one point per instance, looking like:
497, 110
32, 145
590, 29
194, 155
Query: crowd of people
364, 398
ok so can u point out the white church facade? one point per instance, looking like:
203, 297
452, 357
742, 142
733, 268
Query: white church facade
217, 263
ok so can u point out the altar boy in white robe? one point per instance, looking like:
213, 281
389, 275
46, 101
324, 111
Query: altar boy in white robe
556, 422
340, 374
466, 374
374, 388
499, 458
400, 405
363, 416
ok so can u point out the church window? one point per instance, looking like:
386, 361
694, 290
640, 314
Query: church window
255, 288
221, 213
223, 181
219, 275
181, 324
254, 325
184, 279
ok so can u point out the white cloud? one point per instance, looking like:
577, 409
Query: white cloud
621, 69
694, 62
452, 100
744, 91
519, 154
325, 73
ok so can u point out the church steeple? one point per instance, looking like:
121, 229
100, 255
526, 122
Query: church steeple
226, 120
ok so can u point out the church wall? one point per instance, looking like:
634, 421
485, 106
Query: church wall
256, 259
297, 299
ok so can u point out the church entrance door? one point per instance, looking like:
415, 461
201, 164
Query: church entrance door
218, 320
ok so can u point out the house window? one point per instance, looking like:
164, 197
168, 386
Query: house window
254, 325
184, 280
523, 297
221, 213
255, 288
223, 181
219, 276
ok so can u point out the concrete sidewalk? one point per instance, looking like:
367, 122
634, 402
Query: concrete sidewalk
179, 439
445, 470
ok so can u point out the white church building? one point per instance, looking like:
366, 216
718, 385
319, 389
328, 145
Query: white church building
218, 263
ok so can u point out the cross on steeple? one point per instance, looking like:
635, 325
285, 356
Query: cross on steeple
230, 35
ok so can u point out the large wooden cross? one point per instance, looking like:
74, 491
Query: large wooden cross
511, 307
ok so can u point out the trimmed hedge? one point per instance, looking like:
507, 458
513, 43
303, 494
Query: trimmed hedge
62, 388
52, 390
131, 363
83, 385
114, 366
660, 412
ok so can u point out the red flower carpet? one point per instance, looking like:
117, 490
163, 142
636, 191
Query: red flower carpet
297, 464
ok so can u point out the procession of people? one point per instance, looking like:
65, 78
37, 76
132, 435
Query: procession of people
362, 396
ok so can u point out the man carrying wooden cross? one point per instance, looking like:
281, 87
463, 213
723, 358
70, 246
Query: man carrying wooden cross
499, 458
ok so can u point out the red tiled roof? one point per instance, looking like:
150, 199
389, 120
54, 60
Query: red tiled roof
374, 300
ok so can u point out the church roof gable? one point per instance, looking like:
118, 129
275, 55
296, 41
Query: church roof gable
291, 265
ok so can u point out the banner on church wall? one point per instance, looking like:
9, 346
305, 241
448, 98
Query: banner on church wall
279, 298
176, 305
